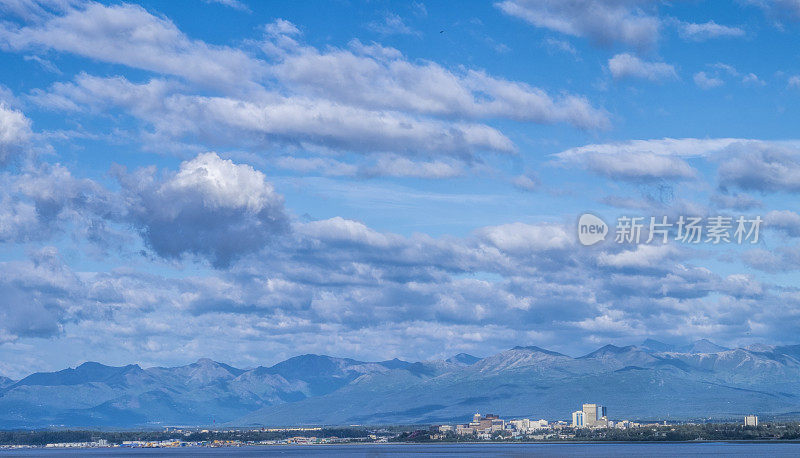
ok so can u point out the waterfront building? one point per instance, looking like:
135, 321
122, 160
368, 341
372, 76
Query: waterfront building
595, 415
488, 423
751, 420
579, 419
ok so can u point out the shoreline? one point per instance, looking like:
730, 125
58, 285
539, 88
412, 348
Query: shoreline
4, 448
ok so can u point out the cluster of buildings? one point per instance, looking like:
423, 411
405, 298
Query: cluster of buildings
100, 443
590, 416
596, 416
177, 443
485, 426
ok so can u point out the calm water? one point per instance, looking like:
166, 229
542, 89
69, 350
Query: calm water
452, 450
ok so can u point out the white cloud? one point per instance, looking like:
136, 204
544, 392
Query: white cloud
326, 166
235, 4
392, 24
365, 98
129, 35
643, 256
781, 10
36, 296
520, 238
561, 45
643, 159
604, 22
768, 166
761, 166
381, 78
639, 166
211, 207
397, 166
680, 147
383, 165
785, 220
526, 182
707, 30
736, 201
752, 79
15, 131
276, 120
702, 80
629, 66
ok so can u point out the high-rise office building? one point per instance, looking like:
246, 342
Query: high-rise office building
594, 415
578, 419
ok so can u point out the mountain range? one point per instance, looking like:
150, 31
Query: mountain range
650, 381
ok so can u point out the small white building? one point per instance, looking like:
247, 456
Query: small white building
751, 420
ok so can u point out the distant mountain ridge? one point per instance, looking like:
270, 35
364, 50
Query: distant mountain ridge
650, 381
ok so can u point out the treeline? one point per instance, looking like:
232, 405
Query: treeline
706, 431
43, 437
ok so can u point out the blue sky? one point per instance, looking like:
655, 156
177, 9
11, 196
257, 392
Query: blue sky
250, 181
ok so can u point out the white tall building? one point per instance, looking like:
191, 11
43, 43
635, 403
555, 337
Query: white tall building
578, 419
751, 420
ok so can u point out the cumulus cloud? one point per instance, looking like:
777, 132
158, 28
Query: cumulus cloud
521, 239
15, 131
342, 277
643, 256
211, 208
784, 220
37, 296
761, 166
39, 202
604, 22
629, 66
780, 259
